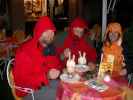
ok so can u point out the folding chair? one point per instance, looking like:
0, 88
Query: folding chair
12, 84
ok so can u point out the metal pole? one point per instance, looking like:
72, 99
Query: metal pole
108, 8
113, 5
104, 17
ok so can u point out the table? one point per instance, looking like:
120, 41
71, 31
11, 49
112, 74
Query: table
116, 91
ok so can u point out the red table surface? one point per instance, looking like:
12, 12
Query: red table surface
81, 92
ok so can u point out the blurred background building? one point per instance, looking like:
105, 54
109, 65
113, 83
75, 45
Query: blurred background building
20, 14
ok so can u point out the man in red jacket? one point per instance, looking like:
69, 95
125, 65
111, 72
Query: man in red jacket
36, 60
75, 42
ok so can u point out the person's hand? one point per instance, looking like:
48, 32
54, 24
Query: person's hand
66, 52
123, 64
53, 73
92, 66
123, 72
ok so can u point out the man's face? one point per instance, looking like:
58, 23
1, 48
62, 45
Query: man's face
113, 36
78, 31
46, 37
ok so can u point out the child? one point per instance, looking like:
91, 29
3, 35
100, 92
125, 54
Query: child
113, 51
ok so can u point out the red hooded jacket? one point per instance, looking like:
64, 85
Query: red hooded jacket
31, 66
76, 44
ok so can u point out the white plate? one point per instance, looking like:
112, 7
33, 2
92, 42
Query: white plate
82, 68
66, 78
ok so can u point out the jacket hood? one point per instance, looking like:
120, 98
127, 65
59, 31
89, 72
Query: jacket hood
77, 22
43, 24
115, 28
